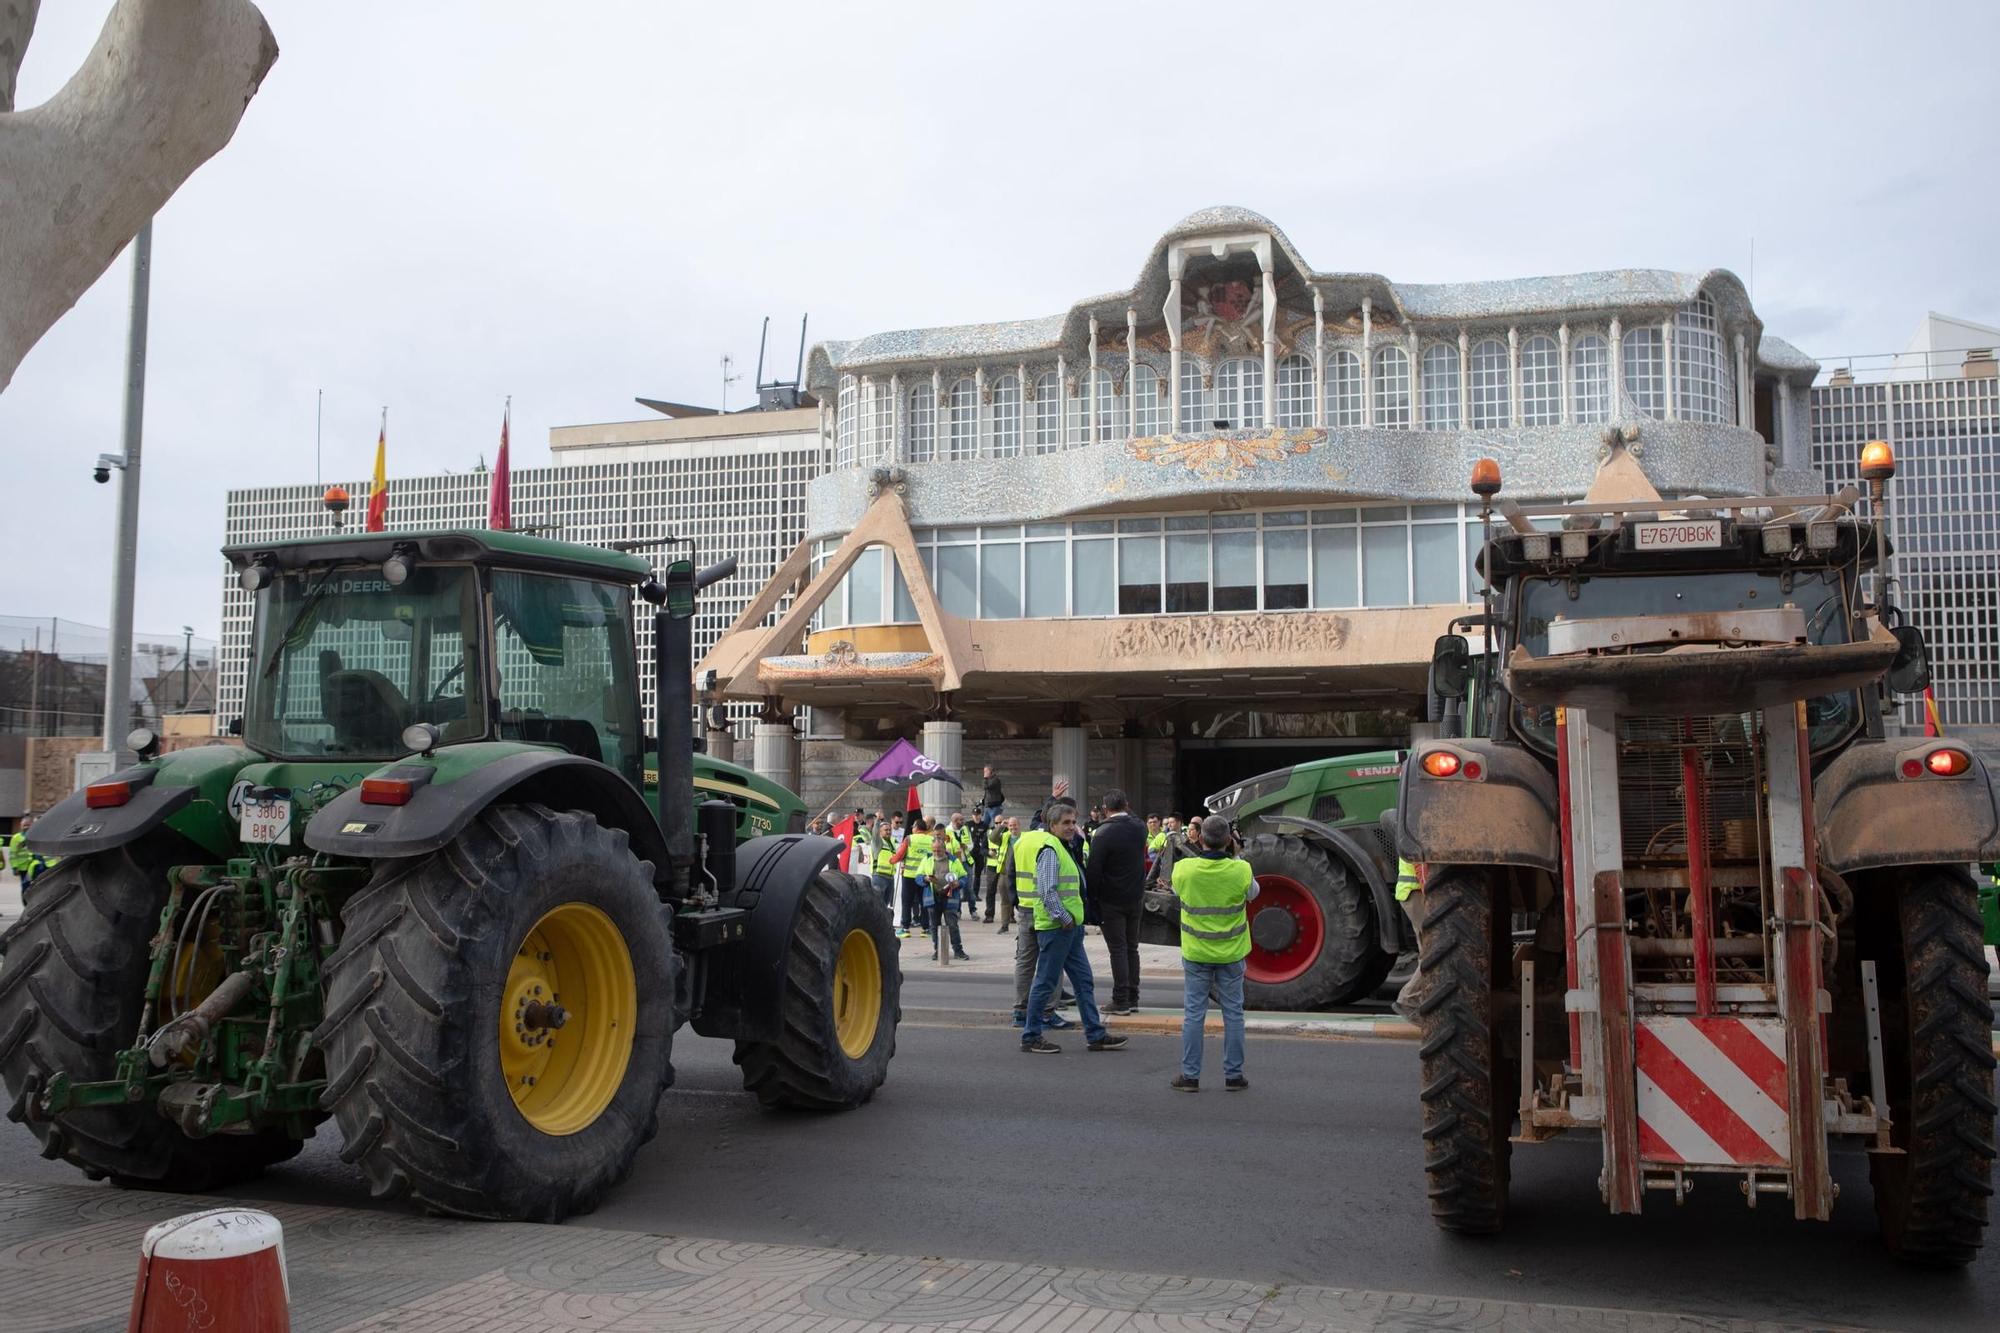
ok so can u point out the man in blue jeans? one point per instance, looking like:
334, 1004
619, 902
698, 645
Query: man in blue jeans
1047, 876
1215, 889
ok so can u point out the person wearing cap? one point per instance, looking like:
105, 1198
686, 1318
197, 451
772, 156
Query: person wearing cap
1047, 873
1214, 888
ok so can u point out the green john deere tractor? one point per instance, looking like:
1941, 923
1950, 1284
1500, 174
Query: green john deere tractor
434, 897
1324, 929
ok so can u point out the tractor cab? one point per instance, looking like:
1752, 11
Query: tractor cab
359, 641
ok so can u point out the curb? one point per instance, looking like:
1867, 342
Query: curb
1167, 1023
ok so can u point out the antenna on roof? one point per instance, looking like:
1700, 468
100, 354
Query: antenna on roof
777, 395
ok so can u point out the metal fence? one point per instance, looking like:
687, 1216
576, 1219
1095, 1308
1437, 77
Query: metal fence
52, 678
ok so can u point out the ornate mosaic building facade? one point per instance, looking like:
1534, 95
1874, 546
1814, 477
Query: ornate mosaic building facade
1219, 509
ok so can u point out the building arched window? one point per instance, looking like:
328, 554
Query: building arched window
1343, 389
1196, 409
1700, 369
1392, 388
844, 423
1006, 416
878, 423
962, 420
1295, 392
1048, 413
1440, 387
1148, 413
1079, 409
1239, 393
1110, 407
1590, 379
1645, 357
923, 424
1492, 401
1541, 381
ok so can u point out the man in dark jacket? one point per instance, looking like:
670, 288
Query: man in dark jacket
1116, 876
993, 800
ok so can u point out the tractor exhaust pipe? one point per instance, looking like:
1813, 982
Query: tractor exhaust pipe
673, 692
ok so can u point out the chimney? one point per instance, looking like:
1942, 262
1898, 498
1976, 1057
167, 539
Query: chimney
1979, 364
1841, 377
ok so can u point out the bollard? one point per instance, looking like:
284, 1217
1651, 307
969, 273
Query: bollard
221, 1270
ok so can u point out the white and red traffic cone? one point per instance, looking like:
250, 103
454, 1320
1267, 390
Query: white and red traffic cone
219, 1271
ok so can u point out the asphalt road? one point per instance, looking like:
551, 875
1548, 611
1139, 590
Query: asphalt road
1313, 1175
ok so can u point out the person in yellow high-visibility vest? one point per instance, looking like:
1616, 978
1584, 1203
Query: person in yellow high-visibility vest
1047, 875
1410, 897
1215, 889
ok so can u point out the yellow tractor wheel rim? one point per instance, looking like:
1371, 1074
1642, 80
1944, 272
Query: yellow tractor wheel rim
568, 1016
857, 993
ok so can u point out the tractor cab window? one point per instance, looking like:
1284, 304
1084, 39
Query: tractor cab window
344, 660
1820, 593
563, 652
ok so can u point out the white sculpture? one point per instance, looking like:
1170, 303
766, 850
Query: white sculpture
160, 93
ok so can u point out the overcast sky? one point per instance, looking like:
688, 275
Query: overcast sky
433, 205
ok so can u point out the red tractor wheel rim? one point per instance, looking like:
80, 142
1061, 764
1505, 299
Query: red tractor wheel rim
1281, 893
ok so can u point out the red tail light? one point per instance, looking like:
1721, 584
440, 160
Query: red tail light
102, 795
386, 791
1441, 763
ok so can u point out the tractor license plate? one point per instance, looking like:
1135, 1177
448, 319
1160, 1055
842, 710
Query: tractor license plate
1689, 534
266, 821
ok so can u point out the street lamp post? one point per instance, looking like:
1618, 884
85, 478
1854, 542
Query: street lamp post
118, 661
187, 649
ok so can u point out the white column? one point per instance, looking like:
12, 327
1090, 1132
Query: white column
895, 419
718, 742
1319, 357
1026, 435
1416, 380
1514, 375
1617, 370
1172, 314
1667, 360
1270, 338
1464, 380
1062, 402
1745, 392
937, 414
982, 425
1070, 762
775, 754
864, 419
1090, 390
1562, 372
943, 742
1131, 372
1367, 363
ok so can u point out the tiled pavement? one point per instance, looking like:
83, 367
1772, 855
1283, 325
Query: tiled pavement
68, 1255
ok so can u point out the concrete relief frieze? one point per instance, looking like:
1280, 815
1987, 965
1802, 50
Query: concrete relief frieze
1269, 635
1225, 457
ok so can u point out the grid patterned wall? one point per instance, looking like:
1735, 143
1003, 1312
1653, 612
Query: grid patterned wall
746, 500
1944, 518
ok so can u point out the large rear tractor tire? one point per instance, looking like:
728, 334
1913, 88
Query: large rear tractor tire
1312, 929
1932, 1199
73, 975
842, 1001
499, 1018
1468, 1081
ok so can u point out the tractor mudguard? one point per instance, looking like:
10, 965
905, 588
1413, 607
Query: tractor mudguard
72, 828
438, 811
1388, 917
1868, 814
744, 983
1508, 815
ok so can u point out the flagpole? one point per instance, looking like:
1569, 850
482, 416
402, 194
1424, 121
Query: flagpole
836, 800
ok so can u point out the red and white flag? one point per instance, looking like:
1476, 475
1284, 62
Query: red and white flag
500, 499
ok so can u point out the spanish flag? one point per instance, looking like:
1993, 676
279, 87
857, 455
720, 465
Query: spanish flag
1933, 724
378, 494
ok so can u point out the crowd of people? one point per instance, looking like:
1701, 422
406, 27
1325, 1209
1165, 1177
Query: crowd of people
1045, 882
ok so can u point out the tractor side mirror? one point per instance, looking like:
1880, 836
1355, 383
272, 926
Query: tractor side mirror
680, 590
1451, 666
1910, 673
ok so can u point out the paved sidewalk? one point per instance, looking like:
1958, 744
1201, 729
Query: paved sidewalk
68, 1255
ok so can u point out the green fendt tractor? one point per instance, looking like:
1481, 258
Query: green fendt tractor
1325, 929
432, 900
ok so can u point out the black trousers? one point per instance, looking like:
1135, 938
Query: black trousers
1121, 937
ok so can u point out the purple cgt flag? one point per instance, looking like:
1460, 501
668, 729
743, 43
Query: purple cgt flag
902, 766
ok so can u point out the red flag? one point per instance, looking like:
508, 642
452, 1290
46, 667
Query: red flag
915, 802
499, 500
844, 831
378, 494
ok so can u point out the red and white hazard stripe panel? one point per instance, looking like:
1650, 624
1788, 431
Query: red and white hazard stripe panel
1712, 1091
